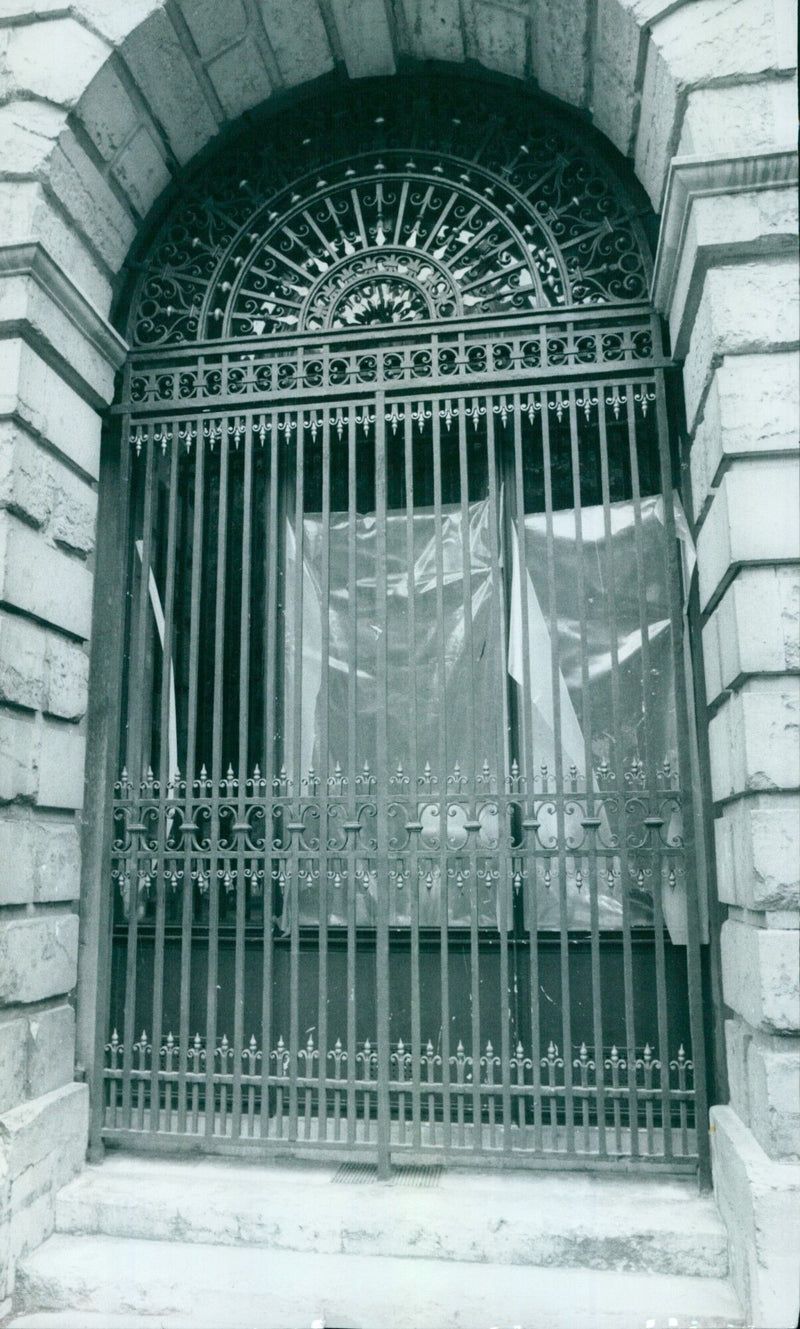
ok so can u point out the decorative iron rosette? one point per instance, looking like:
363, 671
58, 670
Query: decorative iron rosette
392, 203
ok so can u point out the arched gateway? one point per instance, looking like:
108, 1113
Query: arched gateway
400, 847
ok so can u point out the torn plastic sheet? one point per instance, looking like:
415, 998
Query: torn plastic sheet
442, 681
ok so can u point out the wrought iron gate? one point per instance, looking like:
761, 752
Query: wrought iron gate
399, 862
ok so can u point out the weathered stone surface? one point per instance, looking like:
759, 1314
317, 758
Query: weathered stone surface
42, 1146
74, 510
22, 662
55, 65
13, 1065
298, 39
125, 139
753, 518
90, 202
48, 405
19, 752
693, 45
213, 29
28, 133
739, 118
501, 33
67, 678
51, 1050
28, 214
38, 957
753, 739
754, 629
760, 976
758, 853
240, 78
774, 1073
113, 20
42, 580
559, 49
23, 475
154, 55
40, 857
758, 224
365, 37
615, 99
141, 170
751, 406
745, 308
166, 1283
61, 766
434, 29
760, 1203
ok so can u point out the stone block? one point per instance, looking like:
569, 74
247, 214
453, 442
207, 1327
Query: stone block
501, 34
298, 39
738, 1036
28, 214
51, 1050
212, 30
40, 857
753, 739
434, 29
90, 202
62, 757
29, 131
73, 508
723, 228
759, 1200
141, 170
755, 628
760, 975
365, 37
113, 20
43, 581
22, 662
694, 45
19, 753
167, 80
55, 1123
66, 678
38, 957
560, 34
745, 308
23, 475
739, 118
753, 519
751, 407
55, 64
758, 853
108, 113
13, 1062
240, 78
774, 1075
35, 392
618, 38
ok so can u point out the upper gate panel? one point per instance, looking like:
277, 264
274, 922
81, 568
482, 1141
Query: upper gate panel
403, 202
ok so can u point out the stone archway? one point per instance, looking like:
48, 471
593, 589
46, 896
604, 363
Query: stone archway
100, 108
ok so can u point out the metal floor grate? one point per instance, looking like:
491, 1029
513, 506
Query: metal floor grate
362, 1174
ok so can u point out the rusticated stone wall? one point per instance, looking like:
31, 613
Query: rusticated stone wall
101, 103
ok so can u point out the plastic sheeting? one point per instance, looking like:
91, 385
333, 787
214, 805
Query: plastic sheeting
443, 680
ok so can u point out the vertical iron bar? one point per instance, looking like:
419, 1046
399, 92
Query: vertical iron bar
216, 779
382, 864
295, 420
627, 948
588, 760
271, 545
442, 765
413, 870
165, 776
323, 773
241, 884
187, 911
558, 757
352, 697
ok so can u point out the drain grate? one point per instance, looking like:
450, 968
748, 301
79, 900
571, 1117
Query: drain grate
362, 1174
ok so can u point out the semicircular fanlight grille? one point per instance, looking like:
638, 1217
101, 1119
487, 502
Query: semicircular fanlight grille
399, 203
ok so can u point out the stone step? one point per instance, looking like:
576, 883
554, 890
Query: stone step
549, 1220
100, 1282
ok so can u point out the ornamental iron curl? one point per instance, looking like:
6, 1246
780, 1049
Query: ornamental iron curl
325, 217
